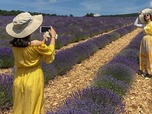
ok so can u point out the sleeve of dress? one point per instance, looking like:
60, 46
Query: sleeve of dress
137, 24
48, 52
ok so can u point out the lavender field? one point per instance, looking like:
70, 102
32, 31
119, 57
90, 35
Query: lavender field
104, 96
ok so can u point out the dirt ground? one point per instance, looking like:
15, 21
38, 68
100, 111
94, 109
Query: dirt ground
138, 99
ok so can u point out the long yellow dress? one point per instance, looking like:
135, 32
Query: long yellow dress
28, 86
146, 49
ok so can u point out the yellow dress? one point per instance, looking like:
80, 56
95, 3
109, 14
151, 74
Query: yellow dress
28, 85
146, 49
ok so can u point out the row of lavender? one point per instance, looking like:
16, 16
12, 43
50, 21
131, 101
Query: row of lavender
65, 60
75, 54
6, 57
70, 29
105, 94
93, 26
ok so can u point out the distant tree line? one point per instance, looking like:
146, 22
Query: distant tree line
122, 15
15, 12
117, 15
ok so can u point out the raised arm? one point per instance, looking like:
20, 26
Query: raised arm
137, 24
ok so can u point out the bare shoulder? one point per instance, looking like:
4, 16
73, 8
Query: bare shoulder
36, 42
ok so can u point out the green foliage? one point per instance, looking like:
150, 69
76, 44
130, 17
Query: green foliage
6, 62
122, 15
81, 36
118, 71
89, 15
16, 12
5, 97
117, 86
113, 36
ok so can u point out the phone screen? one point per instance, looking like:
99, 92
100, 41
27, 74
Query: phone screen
44, 28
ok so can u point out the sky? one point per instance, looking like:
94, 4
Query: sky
77, 7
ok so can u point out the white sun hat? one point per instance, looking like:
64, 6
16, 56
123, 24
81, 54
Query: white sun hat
23, 25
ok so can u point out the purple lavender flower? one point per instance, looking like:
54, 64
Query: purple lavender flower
94, 31
122, 31
130, 54
64, 60
92, 100
117, 86
101, 41
126, 61
6, 57
5, 51
70, 111
113, 36
130, 28
49, 72
81, 36
63, 40
6, 82
135, 43
118, 71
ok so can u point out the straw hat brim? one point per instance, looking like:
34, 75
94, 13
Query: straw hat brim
143, 12
29, 29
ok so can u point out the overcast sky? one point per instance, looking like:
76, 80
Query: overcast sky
77, 7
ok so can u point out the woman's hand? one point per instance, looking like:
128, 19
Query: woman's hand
45, 39
52, 32
53, 35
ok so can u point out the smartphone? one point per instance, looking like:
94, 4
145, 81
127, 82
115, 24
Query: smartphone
44, 28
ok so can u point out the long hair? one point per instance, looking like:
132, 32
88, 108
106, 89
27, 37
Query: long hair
20, 42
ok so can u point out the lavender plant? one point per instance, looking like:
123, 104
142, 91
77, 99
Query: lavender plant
122, 31
64, 61
4, 43
84, 50
130, 54
113, 36
49, 72
135, 44
92, 100
70, 111
101, 41
118, 71
130, 62
94, 31
6, 82
117, 86
81, 36
63, 40
6, 57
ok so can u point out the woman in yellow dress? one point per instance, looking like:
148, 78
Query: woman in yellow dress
28, 85
145, 55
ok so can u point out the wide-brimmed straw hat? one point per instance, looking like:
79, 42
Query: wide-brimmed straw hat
142, 14
24, 24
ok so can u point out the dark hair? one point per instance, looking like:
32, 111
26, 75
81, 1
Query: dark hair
20, 42
145, 17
